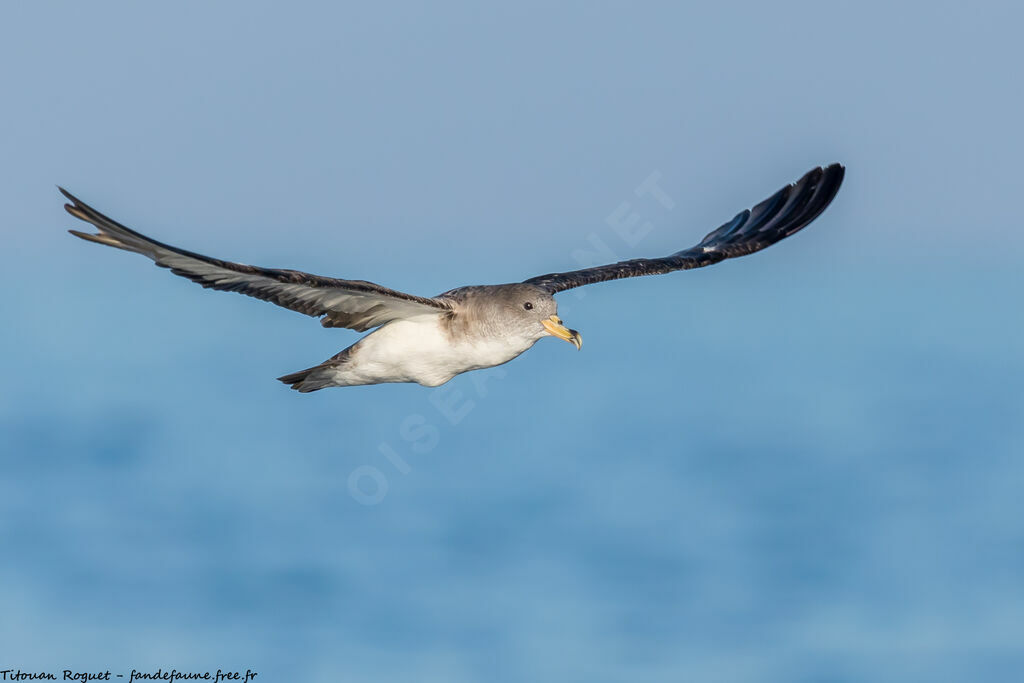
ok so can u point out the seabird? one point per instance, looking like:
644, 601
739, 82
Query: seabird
430, 340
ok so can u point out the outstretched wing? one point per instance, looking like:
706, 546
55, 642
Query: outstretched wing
784, 213
356, 304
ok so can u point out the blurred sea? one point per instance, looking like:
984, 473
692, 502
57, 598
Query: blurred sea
748, 473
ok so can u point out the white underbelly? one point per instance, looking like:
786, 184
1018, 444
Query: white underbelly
419, 350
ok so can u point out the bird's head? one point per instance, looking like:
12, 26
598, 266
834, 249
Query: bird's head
535, 311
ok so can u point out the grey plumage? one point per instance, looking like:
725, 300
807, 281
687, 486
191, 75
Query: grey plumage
356, 304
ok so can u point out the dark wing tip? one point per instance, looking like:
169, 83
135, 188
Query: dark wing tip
76, 203
80, 209
825, 190
831, 179
834, 172
784, 213
99, 238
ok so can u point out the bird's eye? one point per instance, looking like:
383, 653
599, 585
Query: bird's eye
528, 306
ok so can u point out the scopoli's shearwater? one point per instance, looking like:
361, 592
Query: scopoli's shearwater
430, 340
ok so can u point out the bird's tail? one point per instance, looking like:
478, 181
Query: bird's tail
304, 380
327, 374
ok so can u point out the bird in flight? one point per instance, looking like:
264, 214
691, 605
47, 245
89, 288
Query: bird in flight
429, 340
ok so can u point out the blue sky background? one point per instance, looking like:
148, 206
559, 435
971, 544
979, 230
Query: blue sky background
804, 465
